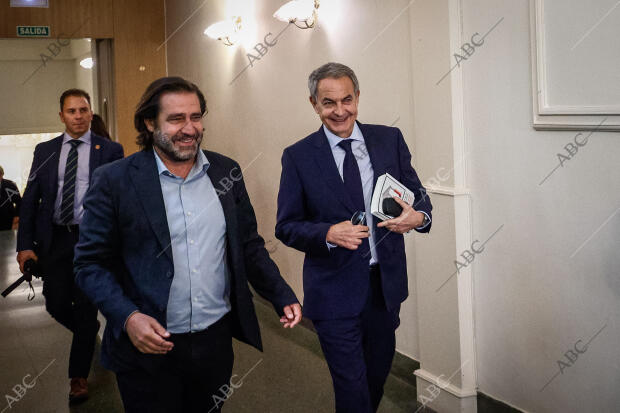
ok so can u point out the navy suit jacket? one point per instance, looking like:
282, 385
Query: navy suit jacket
124, 262
37, 209
312, 198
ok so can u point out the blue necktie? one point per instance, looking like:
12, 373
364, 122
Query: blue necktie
68, 187
351, 176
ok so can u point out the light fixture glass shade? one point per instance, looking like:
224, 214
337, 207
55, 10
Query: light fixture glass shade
226, 30
87, 63
297, 11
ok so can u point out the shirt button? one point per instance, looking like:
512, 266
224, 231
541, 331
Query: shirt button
189, 213
194, 270
191, 241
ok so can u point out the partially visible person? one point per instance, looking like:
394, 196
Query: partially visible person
49, 222
10, 201
98, 127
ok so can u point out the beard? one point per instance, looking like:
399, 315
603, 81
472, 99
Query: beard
166, 143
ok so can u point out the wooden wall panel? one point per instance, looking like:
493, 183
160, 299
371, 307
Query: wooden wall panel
139, 29
78, 18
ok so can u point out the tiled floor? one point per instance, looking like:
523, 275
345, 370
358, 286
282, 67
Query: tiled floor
290, 376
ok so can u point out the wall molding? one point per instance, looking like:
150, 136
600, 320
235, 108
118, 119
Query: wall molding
447, 190
560, 117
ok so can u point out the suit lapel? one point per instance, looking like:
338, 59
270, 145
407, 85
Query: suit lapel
327, 168
54, 160
216, 173
144, 176
96, 148
375, 152
379, 166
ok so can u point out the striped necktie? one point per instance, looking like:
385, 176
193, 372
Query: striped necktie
68, 187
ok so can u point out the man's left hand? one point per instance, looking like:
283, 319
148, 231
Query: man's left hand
406, 221
292, 315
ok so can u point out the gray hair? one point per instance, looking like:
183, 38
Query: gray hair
331, 70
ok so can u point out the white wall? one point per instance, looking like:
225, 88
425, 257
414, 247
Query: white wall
33, 78
533, 300
16, 153
32, 107
267, 109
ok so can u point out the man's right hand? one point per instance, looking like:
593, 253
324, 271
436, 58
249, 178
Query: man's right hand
347, 235
147, 335
23, 256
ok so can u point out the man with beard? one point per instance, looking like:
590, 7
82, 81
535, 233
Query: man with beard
50, 216
167, 247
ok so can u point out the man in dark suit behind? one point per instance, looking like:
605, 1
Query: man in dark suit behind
167, 247
355, 276
10, 202
50, 216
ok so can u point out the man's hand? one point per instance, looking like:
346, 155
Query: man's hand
292, 315
147, 335
23, 256
347, 235
15, 223
406, 221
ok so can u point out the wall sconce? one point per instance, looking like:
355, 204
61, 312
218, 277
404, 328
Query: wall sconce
302, 11
87, 63
226, 30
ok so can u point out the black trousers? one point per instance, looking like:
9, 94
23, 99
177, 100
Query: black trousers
66, 303
359, 351
193, 377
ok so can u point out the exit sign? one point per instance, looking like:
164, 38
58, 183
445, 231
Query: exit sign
33, 31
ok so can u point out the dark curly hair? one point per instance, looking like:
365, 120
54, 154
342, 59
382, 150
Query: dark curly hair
148, 107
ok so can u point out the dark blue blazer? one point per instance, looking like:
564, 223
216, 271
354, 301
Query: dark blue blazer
123, 260
37, 209
312, 198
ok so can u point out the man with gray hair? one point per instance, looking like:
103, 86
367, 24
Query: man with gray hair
354, 276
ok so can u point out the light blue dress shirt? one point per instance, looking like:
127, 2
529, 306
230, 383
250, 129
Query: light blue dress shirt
81, 179
200, 290
358, 147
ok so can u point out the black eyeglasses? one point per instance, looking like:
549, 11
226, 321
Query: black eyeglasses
359, 218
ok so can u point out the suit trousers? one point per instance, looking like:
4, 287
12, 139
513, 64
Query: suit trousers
66, 303
359, 351
193, 377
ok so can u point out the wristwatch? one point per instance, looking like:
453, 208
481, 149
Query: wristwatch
426, 220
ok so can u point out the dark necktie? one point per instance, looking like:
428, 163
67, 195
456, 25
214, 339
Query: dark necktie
351, 176
68, 187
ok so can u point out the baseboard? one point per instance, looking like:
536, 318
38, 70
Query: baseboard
487, 404
440, 382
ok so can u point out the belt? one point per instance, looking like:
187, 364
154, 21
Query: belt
68, 228
223, 320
